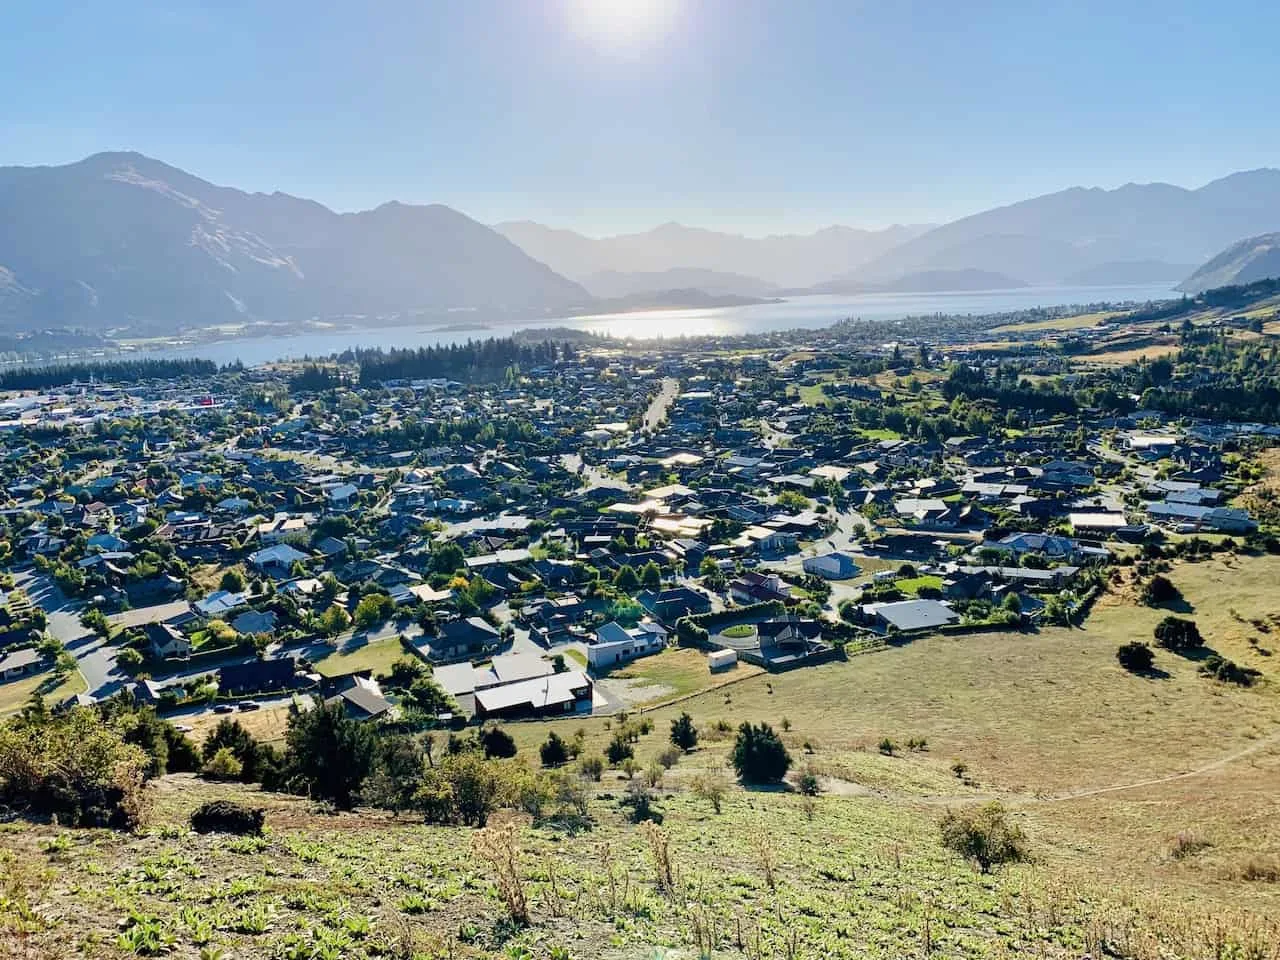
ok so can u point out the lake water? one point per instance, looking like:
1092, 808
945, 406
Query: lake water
810, 312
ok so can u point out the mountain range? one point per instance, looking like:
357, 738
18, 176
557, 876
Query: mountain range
1254, 259
120, 240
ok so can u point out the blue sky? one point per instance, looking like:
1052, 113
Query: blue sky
748, 115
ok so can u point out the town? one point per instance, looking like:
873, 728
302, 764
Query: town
582, 528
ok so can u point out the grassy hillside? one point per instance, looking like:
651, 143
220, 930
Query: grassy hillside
1149, 804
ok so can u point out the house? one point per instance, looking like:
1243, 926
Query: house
253, 622
554, 695
754, 587
277, 560
908, 616
831, 566
19, 663
257, 676
462, 639
673, 603
614, 644
787, 634
220, 603
166, 641
361, 697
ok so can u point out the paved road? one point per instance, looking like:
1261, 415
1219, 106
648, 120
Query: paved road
94, 656
658, 408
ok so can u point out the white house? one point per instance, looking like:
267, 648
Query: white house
615, 644
832, 566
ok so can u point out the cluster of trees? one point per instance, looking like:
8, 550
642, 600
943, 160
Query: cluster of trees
476, 361
112, 371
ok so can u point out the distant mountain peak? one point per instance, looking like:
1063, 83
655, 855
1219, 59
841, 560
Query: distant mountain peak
122, 240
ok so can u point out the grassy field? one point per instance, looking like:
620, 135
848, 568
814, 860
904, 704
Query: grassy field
267, 724
1078, 322
1150, 806
15, 693
377, 656
676, 672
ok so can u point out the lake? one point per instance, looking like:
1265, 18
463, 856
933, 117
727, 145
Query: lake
809, 312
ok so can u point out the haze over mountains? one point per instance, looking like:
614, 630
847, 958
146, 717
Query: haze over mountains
121, 240
786, 261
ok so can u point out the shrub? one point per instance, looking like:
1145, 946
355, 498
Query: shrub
619, 749
983, 836
670, 757
711, 787
554, 751
1135, 657
592, 768
1178, 634
497, 743
683, 733
224, 816
328, 754
1159, 589
1228, 671
759, 755
888, 747
223, 765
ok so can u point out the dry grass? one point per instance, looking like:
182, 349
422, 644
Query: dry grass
1077, 322
15, 693
377, 656
267, 724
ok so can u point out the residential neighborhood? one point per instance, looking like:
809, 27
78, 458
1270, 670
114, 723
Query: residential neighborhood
544, 543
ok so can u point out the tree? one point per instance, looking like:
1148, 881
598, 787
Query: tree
497, 743
374, 609
759, 755
651, 576
232, 581
683, 733
983, 836
427, 695
1135, 657
626, 579
230, 735
447, 558
130, 659
554, 752
334, 620
328, 754
397, 772
1178, 634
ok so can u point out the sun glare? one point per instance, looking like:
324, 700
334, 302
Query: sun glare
623, 25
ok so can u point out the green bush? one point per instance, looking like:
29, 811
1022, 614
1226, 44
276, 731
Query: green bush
983, 836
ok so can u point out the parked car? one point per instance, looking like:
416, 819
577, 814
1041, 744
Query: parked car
250, 705
224, 708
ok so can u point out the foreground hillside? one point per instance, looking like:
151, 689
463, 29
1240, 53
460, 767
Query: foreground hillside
1148, 802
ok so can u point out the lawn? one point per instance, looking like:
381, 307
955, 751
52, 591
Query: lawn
740, 630
377, 656
913, 585
15, 693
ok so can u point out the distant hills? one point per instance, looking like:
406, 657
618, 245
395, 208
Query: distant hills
788, 260
925, 281
1067, 235
1256, 258
1138, 233
122, 240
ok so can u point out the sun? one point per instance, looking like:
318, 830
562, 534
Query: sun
623, 26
